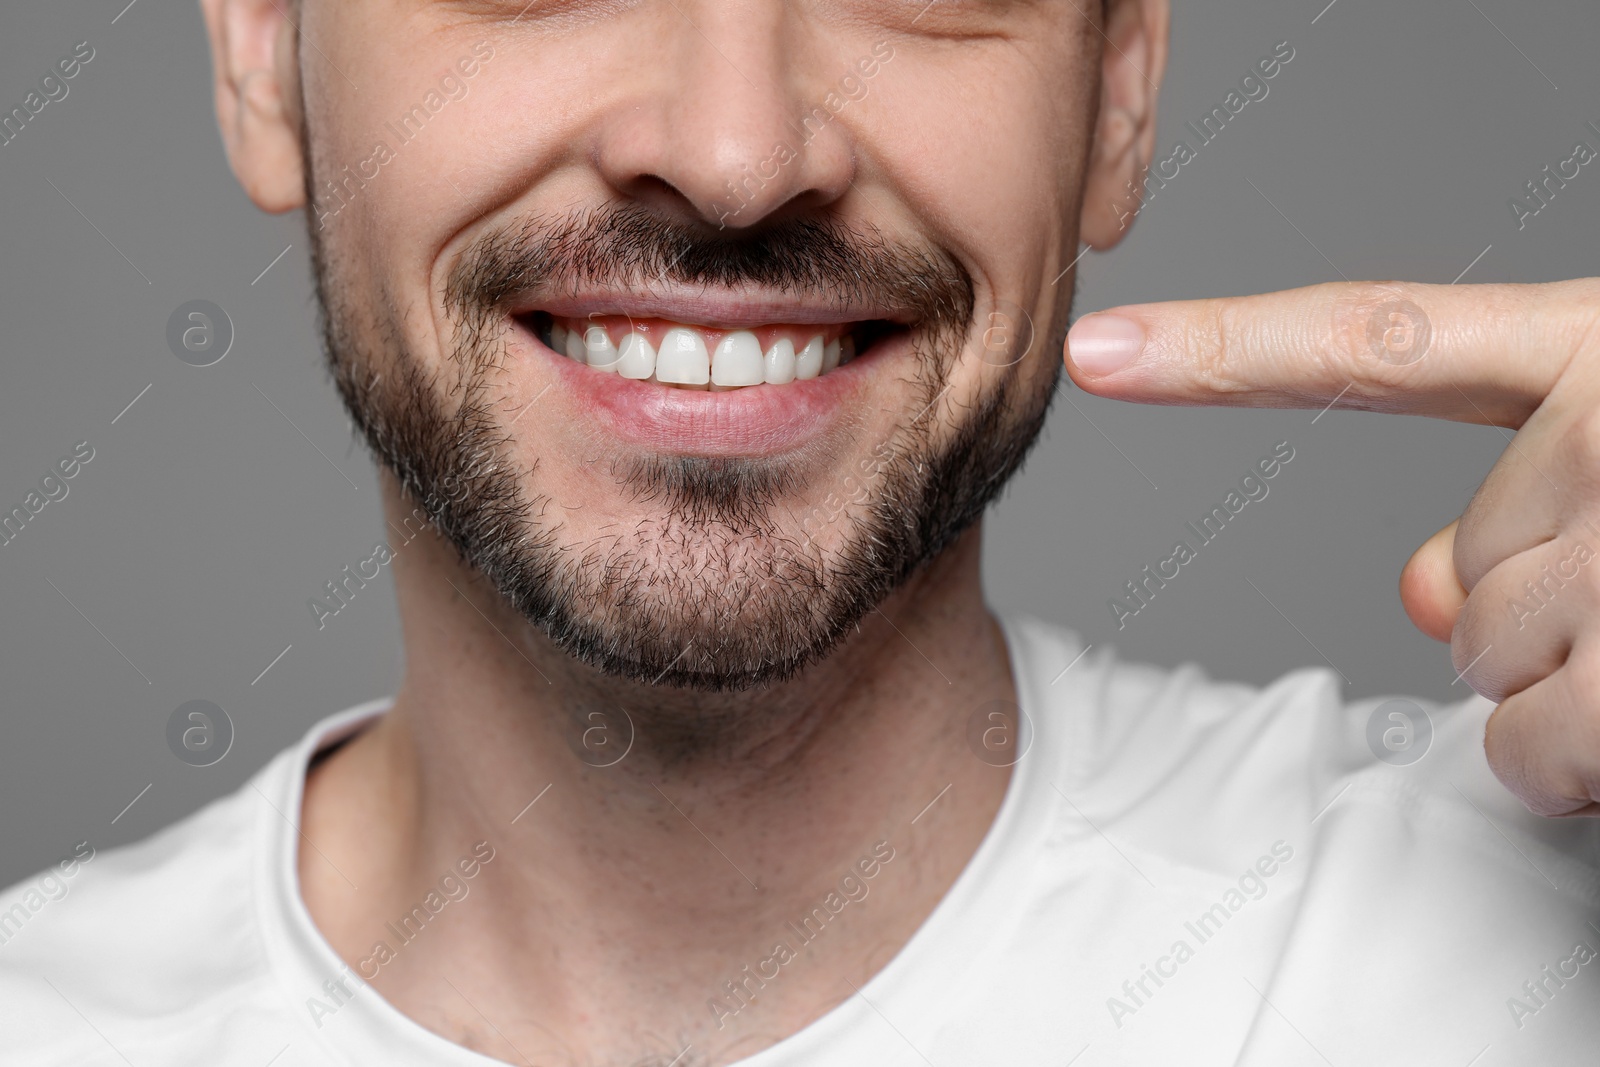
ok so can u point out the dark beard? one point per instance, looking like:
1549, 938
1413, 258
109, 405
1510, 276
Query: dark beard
720, 589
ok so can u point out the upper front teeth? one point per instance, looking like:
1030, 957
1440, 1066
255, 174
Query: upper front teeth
682, 358
637, 359
738, 360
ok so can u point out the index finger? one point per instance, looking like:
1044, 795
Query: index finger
1473, 353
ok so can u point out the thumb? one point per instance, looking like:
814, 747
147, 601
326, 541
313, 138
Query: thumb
1429, 588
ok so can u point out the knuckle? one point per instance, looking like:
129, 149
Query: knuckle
1219, 335
1377, 328
1474, 632
1500, 644
1517, 745
1468, 634
1505, 744
1575, 728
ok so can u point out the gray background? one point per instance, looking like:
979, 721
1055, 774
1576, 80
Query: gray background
227, 495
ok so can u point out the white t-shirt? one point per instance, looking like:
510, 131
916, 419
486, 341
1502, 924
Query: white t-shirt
1182, 871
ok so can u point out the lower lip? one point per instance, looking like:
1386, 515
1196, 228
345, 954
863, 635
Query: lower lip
757, 420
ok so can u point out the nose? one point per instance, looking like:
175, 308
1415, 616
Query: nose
728, 126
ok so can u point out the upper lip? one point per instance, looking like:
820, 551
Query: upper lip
715, 308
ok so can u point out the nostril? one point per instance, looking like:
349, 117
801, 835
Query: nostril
659, 194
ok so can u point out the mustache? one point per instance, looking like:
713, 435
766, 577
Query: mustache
633, 248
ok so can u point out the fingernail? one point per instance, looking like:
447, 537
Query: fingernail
1104, 344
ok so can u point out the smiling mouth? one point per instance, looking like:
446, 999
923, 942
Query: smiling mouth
688, 356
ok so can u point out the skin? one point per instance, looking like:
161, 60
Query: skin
607, 918
617, 906
1524, 357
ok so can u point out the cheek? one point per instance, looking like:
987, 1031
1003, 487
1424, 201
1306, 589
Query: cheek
987, 173
395, 179
997, 170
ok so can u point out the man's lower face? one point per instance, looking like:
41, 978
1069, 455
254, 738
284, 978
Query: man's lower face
691, 457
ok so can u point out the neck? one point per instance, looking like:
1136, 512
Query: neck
651, 845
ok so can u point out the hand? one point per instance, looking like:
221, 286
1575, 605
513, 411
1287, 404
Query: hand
1514, 584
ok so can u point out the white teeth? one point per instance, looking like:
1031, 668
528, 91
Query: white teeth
737, 360
683, 359
779, 362
830, 356
599, 352
637, 359
808, 361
